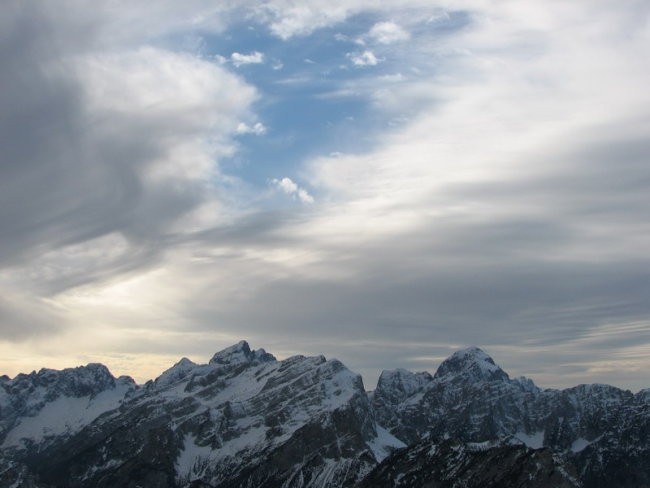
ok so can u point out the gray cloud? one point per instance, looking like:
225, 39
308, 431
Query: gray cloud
562, 258
24, 317
93, 183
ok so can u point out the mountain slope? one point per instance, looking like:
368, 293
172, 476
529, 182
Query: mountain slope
471, 399
37, 408
451, 464
244, 419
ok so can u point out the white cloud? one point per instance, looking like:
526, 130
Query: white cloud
388, 33
288, 186
258, 128
287, 18
239, 59
366, 58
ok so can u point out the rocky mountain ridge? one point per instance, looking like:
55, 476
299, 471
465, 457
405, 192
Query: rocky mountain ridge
246, 419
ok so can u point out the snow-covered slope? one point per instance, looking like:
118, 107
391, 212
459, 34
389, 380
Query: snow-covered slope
243, 419
37, 408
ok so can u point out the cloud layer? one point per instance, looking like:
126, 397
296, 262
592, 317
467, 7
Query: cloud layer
500, 199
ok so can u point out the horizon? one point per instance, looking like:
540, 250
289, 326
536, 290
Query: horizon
378, 183
373, 375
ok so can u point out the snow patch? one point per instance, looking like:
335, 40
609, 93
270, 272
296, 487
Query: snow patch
191, 459
385, 442
581, 443
65, 415
534, 441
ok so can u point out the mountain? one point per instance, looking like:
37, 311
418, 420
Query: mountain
243, 419
39, 408
601, 430
246, 419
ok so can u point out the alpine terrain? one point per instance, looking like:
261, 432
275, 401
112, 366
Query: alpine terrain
246, 419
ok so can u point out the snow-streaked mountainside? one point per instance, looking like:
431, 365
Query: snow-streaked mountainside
246, 419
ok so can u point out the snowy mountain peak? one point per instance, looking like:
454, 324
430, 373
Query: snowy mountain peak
241, 353
177, 372
76, 382
184, 362
473, 363
400, 382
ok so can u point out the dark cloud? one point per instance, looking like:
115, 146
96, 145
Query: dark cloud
69, 172
557, 263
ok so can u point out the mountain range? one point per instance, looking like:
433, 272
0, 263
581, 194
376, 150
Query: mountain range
246, 419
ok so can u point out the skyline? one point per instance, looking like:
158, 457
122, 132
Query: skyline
380, 184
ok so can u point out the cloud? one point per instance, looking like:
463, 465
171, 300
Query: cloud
257, 128
287, 19
239, 59
508, 209
387, 33
288, 186
104, 150
366, 58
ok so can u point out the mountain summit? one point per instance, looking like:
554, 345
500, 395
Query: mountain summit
472, 363
240, 353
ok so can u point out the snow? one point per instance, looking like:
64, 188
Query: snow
479, 446
581, 443
177, 372
471, 362
315, 386
191, 458
402, 382
327, 476
477, 356
382, 445
65, 415
250, 438
534, 441
340, 388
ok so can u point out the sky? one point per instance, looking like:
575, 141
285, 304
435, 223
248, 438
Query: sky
383, 183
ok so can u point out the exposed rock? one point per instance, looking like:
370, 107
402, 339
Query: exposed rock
451, 464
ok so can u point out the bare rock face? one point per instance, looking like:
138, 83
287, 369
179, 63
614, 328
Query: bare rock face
451, 464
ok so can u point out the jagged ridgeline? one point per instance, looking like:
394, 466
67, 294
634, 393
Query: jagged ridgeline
246, 419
